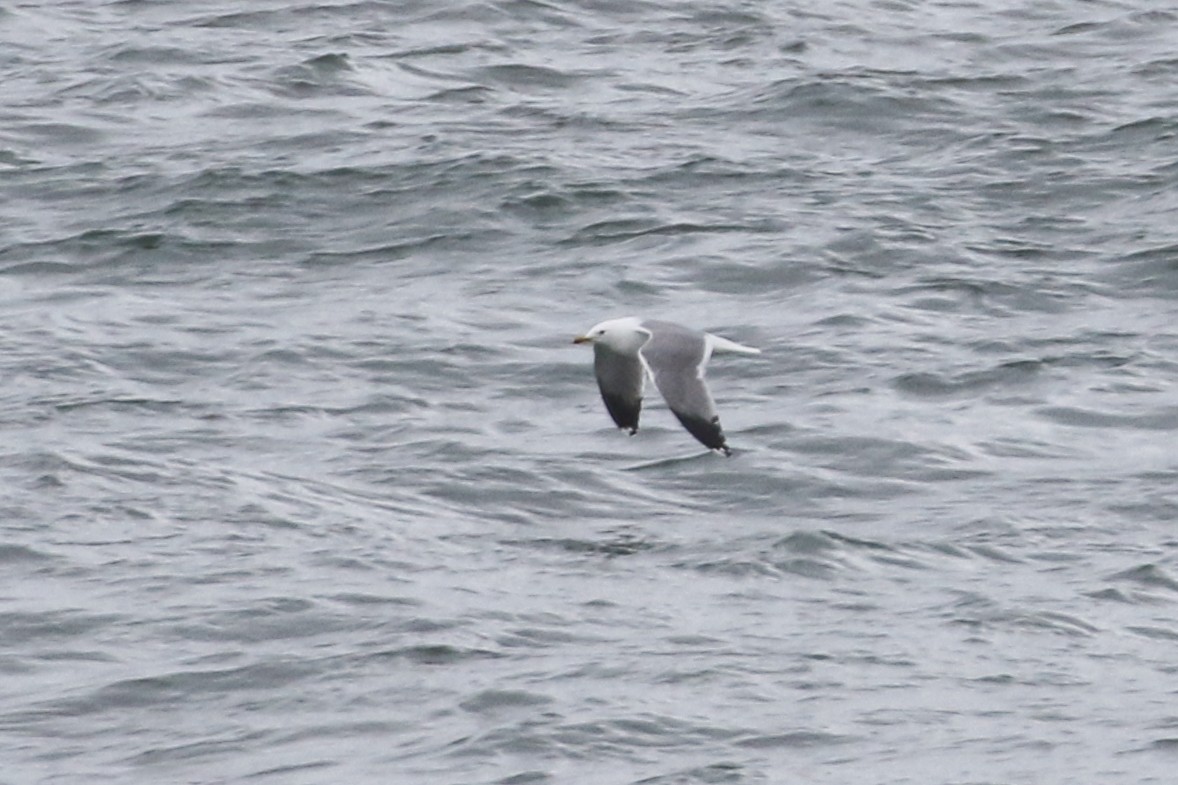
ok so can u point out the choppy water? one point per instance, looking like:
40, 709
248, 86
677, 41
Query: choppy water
302, 481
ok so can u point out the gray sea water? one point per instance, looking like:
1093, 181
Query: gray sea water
302, 480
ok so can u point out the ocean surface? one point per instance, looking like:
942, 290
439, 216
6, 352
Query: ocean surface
303, 481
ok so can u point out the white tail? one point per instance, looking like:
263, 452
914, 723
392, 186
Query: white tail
724, 345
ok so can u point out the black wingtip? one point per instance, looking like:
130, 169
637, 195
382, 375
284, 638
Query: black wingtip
624, 411
708, 432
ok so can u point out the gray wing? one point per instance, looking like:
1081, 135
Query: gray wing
621, 378
676, 356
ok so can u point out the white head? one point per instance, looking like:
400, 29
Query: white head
625, 335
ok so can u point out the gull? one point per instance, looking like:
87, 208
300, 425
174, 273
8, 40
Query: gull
625, 350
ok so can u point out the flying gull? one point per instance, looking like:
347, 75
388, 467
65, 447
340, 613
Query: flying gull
674, 356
